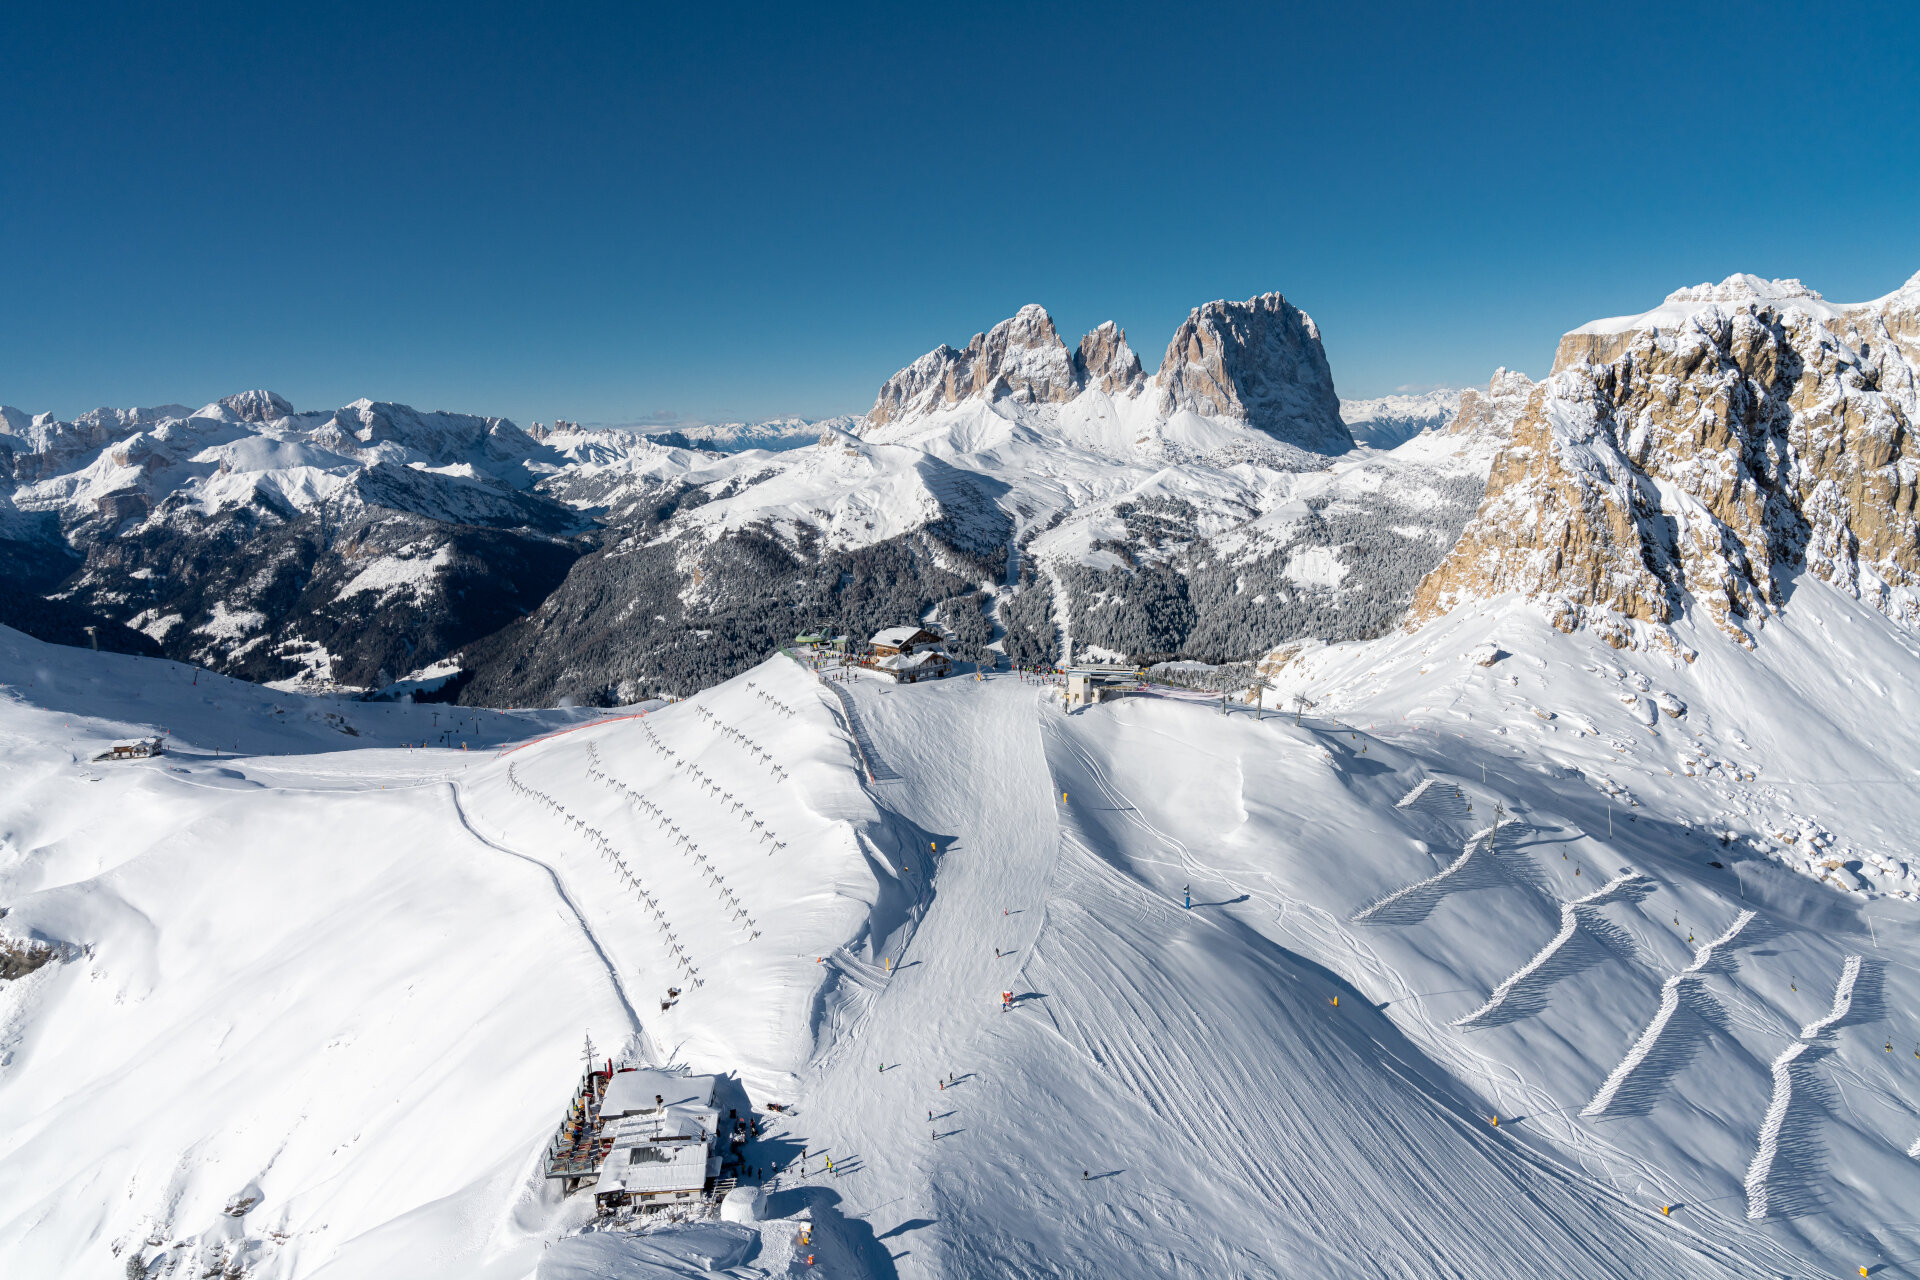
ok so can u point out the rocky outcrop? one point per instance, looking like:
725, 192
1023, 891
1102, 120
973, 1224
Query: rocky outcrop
1602, 341
1492, 413
249, 406
1022, 358
1741, 436
1106, 363
1259, 361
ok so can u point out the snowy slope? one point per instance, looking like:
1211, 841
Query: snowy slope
353, 984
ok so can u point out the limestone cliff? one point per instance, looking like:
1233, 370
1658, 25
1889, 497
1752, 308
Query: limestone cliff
1702, 456
1492, 413
1259, 361
1105, 362
1022, 357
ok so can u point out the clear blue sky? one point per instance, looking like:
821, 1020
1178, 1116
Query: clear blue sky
628, 211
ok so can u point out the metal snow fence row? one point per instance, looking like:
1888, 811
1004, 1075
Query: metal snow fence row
737, 911
594, 836
1572, 917
713, 789
771, 701
740, 740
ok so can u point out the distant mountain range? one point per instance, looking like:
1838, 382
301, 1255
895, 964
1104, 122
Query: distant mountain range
1017, 492
1391, 421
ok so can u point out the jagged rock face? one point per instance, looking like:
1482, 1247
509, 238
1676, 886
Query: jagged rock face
249, 406
1106, 363
1602, 341
1704, 465
1260, 361
1022, 357
1493, 412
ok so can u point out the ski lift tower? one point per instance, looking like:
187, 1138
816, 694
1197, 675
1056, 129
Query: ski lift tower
1259, 689
1301, 704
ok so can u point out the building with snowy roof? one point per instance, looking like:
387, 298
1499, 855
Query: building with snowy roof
901, 640
636, 1089
662, 1127
909, 667
1088, 683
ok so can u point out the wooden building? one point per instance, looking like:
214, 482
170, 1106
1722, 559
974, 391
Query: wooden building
896, 641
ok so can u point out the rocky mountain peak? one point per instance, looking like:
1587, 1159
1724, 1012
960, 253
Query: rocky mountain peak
1600, 341
1106, 363
1259, 361
1493, 412
249, 406
1742, 288
1021, 357
1704, 464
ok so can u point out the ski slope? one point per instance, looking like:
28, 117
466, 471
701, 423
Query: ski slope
347, 980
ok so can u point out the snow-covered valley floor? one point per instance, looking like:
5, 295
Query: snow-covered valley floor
347, 980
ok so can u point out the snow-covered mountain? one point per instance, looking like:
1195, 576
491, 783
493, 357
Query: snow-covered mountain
1017, 492
1561, 924
774, 435
351, 545
1257, 363
1390, 421
1703, 455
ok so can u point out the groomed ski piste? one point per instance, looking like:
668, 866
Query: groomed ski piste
313, 1007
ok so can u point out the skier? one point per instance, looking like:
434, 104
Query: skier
996, 953
1187, 892
1006, 1001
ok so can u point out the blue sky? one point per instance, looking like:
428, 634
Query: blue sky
630, 212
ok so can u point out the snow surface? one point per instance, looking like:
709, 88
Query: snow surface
348, 980
1683, 304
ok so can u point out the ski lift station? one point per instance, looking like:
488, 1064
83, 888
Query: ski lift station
644, 1138
1089, 683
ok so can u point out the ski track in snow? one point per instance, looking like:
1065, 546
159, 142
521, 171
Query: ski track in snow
1249, 1128
573, 907
1599, 1161
878, 770
1170, 1083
